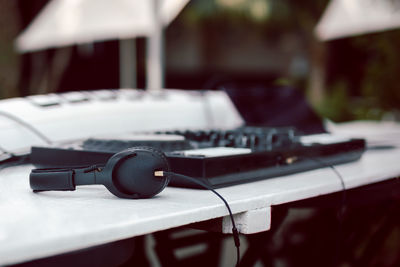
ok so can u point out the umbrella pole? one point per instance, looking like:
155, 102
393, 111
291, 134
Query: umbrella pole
127, 63
154, 55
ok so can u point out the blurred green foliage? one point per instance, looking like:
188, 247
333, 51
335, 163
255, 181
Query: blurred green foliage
372, 91
382, 69
282, 14
375, 94
335, 105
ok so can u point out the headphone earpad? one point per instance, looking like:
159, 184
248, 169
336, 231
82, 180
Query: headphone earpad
135, 174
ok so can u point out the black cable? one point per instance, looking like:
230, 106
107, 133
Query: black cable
5, 151
342, 204
235, 232
324, 164
14, 161
340, 214
26, 125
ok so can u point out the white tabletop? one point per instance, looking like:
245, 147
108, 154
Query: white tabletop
35, 225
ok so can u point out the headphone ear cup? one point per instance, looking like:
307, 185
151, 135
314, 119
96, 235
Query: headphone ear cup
134, 174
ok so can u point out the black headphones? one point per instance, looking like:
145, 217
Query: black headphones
139, 172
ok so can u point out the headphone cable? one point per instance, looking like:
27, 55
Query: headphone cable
14, 161
342, 204
18, 159
332, 167
235, 232
5, 151
26, 125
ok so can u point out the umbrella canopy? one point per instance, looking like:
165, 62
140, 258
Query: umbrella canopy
67, 22
345, 18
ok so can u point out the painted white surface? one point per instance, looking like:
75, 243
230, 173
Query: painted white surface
249, 222
39, 225
376, 133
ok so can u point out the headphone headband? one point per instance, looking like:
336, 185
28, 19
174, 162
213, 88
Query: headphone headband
52, 179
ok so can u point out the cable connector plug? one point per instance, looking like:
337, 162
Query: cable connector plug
236, 239
159, 174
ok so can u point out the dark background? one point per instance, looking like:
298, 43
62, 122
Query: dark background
266, 43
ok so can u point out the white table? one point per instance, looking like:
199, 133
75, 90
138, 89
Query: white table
38, 225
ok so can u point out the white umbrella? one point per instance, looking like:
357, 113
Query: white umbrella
346, 18
68, 22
